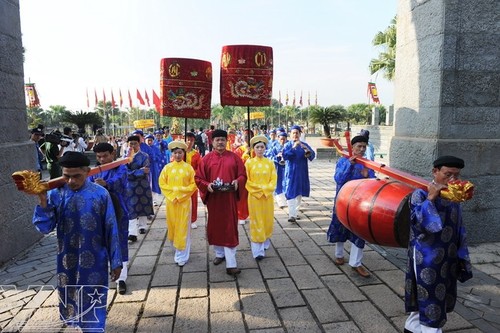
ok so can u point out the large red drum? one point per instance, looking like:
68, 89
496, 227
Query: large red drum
376, 210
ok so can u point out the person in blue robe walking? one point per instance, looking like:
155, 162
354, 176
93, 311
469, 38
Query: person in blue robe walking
87, 240
157, 163
139, 196
115, 181
276, 155
437, 251
347, 169
297, 185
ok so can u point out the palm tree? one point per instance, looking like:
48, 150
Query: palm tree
326, 117
57, 114
386, 61
83, 118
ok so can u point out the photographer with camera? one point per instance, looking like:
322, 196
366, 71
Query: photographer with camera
67, 140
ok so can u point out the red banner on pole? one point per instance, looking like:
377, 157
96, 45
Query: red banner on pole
156, 102
129, 99
139, 97
33, 100
185, 88
372, 90
246, 75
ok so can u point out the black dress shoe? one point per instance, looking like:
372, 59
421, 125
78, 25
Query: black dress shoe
233, 271
259, 258
218, 260
297, 218
142, 231
407, 331
292, 219
122, 287
132, 238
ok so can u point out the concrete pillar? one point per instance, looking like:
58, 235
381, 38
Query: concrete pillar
17, 151
375, 116
389, 116
447, 98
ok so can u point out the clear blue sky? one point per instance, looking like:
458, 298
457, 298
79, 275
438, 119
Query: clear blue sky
321, 46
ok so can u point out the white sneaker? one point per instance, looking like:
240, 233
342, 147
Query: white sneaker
242, 222
181, 263
194, 225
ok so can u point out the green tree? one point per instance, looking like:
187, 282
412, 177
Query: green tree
81, 119
56, 114
35, 116
326, 116
386, 61
359, 114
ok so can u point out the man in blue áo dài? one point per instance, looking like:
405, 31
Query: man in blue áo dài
437, 251
277, 156
139, 196
162, 145
87, 236
115, 181
347, 169
297, 154
157, 164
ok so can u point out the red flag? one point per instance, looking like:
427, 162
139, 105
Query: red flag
121, 98
146, 96
112, 99
96, 100
129, 99
139, 97
156, 101
88, 104
293, 98
300, 100
103, 98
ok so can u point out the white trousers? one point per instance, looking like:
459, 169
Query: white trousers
281, 199
132, 227
183, 255
258, 249
229, 253
124, 273
413, 321
294, 205
138, 223
355, 256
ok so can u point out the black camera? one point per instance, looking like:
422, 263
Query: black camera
53, 137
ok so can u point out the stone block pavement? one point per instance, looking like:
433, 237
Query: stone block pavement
296, 288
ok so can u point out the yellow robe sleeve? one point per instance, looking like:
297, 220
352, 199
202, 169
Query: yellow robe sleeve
177, 181
261, 182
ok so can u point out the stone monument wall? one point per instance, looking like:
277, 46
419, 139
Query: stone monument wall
447, 98
17, 151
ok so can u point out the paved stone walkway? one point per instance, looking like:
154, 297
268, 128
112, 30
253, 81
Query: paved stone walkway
296, 288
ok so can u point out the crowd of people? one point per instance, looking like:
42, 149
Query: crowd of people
239, 177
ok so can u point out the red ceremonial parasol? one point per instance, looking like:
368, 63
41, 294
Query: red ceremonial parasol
246, 76
185, 88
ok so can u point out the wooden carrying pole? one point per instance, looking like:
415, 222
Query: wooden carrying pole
382, 168
29, 181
